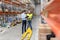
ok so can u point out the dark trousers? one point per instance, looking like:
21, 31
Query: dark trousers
51, 35
23, 26
29, 24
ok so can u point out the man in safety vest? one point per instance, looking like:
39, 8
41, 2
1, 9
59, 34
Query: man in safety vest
29, 18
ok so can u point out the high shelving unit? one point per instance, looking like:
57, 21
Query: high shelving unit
11, 6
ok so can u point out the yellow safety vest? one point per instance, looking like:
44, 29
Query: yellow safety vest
29, 16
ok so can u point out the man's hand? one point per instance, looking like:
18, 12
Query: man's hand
27, 16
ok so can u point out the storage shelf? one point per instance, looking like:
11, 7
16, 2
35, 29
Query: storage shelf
12, 3
14, 6
11, 13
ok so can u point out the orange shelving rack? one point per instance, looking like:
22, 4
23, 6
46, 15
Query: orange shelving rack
53, 18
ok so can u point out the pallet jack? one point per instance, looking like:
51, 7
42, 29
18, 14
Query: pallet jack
28, 33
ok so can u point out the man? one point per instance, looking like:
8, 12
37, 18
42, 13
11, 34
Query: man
29, 18
23, 17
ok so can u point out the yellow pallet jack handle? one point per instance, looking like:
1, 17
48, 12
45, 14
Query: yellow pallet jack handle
27, 33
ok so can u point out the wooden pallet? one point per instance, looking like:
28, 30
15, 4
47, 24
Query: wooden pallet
44, 30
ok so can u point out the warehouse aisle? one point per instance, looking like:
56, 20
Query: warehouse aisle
14, 33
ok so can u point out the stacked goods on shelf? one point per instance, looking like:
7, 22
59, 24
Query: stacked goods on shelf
25, 1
